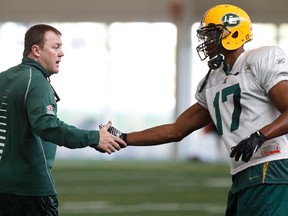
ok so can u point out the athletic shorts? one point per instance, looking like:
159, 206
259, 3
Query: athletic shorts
259, 200
13, 205
260, 190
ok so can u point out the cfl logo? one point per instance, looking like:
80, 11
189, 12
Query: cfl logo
230, 20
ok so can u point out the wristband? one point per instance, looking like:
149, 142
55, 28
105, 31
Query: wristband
124, 137
261, 136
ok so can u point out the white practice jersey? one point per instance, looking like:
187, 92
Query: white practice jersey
239, 104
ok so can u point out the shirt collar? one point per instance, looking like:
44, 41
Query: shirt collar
33, 63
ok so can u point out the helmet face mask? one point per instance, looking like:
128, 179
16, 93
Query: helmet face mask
211, 36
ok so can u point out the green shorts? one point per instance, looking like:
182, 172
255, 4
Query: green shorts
259, 200
260, 190
13, 205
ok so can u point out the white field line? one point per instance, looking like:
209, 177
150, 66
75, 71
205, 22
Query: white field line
103, 207
150, 188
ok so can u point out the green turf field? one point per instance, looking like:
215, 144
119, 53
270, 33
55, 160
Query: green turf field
129, 188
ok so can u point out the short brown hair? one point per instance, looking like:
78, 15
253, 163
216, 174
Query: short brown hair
36, 36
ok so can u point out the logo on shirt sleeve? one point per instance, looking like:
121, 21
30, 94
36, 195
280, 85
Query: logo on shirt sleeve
280, 61
50, 110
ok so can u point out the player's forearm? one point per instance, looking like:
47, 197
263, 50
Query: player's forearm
192, 119
154, 136
276, 128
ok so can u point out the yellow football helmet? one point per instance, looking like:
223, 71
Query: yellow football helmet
225, 24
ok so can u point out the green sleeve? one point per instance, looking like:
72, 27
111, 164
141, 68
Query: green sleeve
42, 114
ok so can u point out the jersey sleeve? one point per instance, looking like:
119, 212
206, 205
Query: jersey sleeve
271, 66
201, 96
42, 113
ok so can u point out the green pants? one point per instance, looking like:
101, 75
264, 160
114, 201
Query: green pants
12, 205
259, 200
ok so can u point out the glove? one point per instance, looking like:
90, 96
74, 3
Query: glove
116, 132
248, 147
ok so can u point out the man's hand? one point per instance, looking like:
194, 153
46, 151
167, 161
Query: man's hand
116, 132
248, 147
108, 142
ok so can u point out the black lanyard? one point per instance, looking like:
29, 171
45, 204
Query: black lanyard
57, 98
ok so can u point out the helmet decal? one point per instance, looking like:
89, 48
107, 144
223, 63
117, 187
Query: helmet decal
231, 20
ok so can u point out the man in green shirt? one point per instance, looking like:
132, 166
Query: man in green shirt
30, 129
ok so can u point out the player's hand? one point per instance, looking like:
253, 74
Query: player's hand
247, 147
108, 142
116, 132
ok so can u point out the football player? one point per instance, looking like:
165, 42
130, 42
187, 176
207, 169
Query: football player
245, 95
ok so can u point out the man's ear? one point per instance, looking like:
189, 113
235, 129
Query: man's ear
35, 49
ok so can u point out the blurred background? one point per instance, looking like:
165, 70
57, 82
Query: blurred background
134, 62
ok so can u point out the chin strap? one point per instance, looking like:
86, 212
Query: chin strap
205, 80
213, 64
216, 62
226, 68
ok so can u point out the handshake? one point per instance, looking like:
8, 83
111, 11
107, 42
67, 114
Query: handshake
115, 132
110, 140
